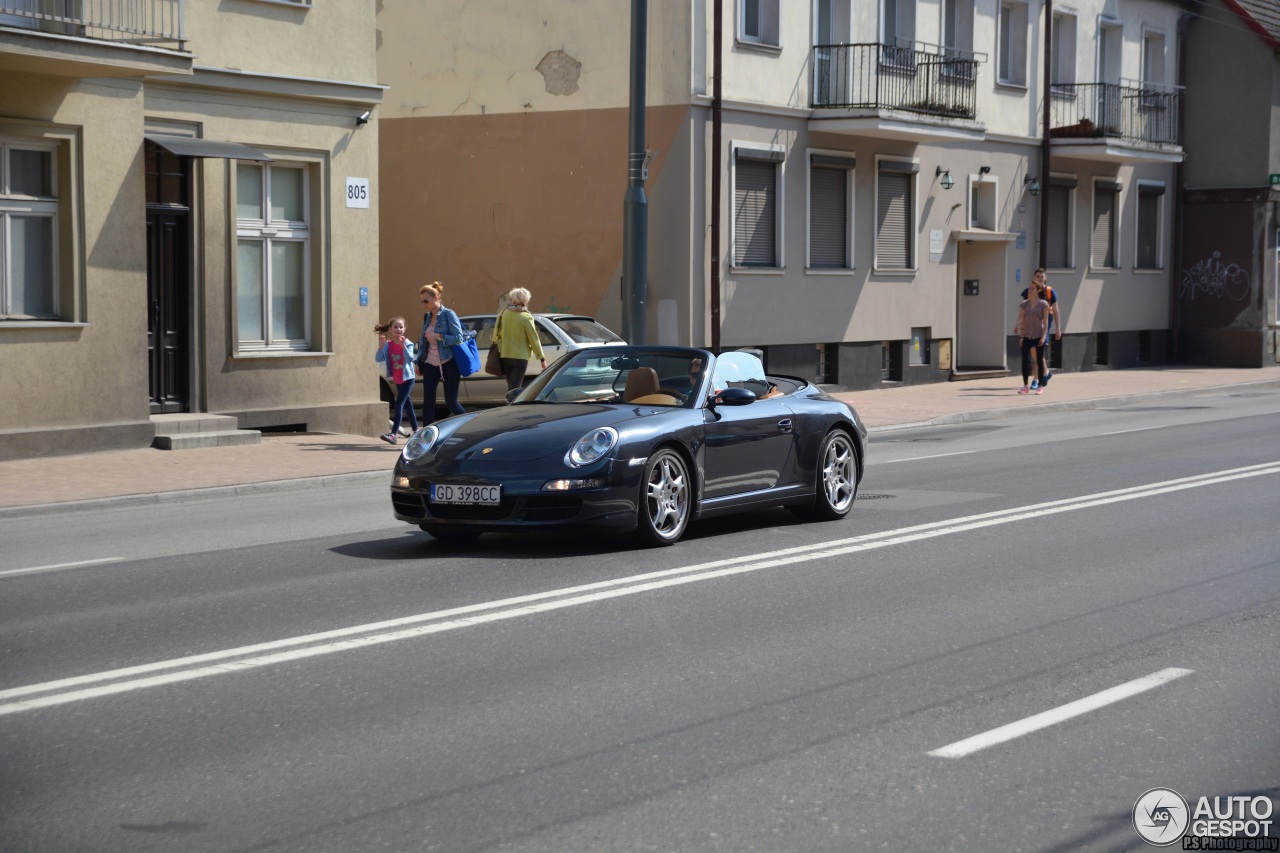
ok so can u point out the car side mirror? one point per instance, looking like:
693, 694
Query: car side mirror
733, 397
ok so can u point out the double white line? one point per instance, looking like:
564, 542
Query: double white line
92, 685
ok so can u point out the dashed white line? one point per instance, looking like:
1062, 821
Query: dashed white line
59, 566
1057, 715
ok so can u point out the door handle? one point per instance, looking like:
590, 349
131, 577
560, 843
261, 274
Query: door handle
784, 425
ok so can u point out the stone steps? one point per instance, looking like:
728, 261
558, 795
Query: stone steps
186, 431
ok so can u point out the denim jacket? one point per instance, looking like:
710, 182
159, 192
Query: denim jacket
406, 369
450, 330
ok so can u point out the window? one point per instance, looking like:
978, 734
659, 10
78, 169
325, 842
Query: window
1106, 195
1063, 68
756, 224
758, 22
1011, 60
273, 250
895, 215
898, 31
957, 28
982, 204
1153, 60
1061, 192
830, 219
1147, 254
28, 231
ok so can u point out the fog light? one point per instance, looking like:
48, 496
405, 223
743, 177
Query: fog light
400, 481
572, 485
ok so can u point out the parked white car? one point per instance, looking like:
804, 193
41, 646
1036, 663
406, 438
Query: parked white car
558, 333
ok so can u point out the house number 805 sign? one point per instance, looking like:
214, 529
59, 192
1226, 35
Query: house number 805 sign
357, 192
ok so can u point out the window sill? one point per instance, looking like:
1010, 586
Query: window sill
1149, 270
758, 270
1012, 84
846, 271
1111, 270
292, 4
896, 273
249, 355
41, 324
759, 47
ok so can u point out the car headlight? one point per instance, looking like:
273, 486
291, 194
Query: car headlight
419, 443
591, 447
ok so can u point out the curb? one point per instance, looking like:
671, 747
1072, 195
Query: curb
1072, 405
184, 495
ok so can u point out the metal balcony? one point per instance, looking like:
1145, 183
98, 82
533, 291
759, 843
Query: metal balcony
136, 22
921, 78
1132, 112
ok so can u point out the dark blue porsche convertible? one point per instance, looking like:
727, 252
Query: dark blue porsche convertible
640, 439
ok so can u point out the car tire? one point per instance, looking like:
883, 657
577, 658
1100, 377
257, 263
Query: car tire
837, 479
450, 534
666, 499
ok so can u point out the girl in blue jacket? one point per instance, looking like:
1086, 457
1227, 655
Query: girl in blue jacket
399, 354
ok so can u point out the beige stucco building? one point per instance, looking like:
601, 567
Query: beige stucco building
877, 163
177, 231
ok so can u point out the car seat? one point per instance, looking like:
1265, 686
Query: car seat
641, 382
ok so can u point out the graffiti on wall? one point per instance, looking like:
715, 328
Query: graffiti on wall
1215, 280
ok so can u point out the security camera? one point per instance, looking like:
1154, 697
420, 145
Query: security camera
363, 118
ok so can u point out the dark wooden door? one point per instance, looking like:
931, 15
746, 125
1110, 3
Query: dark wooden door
169, 287
168, 310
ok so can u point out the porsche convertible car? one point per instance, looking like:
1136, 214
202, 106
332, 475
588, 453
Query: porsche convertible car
643, 439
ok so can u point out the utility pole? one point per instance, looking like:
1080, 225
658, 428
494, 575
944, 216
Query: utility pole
1046, 141
635, 215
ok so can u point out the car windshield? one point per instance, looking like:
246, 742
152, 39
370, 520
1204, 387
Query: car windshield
643, 377
584, 330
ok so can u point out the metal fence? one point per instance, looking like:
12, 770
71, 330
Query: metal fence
132, 21
1134, 112
920, 78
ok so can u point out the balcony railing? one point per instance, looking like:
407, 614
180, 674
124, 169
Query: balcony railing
157, 22
920, 78
1144, 113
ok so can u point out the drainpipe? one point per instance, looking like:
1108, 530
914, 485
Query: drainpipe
716, 165
635, 213
1175, 295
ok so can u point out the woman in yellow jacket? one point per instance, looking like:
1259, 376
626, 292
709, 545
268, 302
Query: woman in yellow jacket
516, 337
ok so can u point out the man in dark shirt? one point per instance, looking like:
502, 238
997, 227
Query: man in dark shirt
1052, 296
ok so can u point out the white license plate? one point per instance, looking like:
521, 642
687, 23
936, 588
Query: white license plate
442, 493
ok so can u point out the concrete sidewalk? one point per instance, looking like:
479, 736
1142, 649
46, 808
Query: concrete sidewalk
29, 486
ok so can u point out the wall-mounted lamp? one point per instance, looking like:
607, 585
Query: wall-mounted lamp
947, 181
363, 118
1032, 185
984, 170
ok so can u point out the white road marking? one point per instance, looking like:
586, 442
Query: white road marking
59, 566
1057, 715
919, 458
393, 630
1136, 429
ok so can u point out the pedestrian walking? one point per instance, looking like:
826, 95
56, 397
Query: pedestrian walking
441, 332
1033, 319
399, 355
515, 334
1051, 296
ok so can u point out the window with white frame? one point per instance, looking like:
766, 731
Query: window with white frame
898, 31
1011, 46
28, 231
756, 222
1153, 59
758, 22
830, 211
895, 214
982, 203
273, 251
1106, 223
1063, 65
1148, 254
1061, 196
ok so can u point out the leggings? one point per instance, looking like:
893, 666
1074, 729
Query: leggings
1031, 348
403, 391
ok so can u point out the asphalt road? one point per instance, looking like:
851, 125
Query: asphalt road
297, 671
